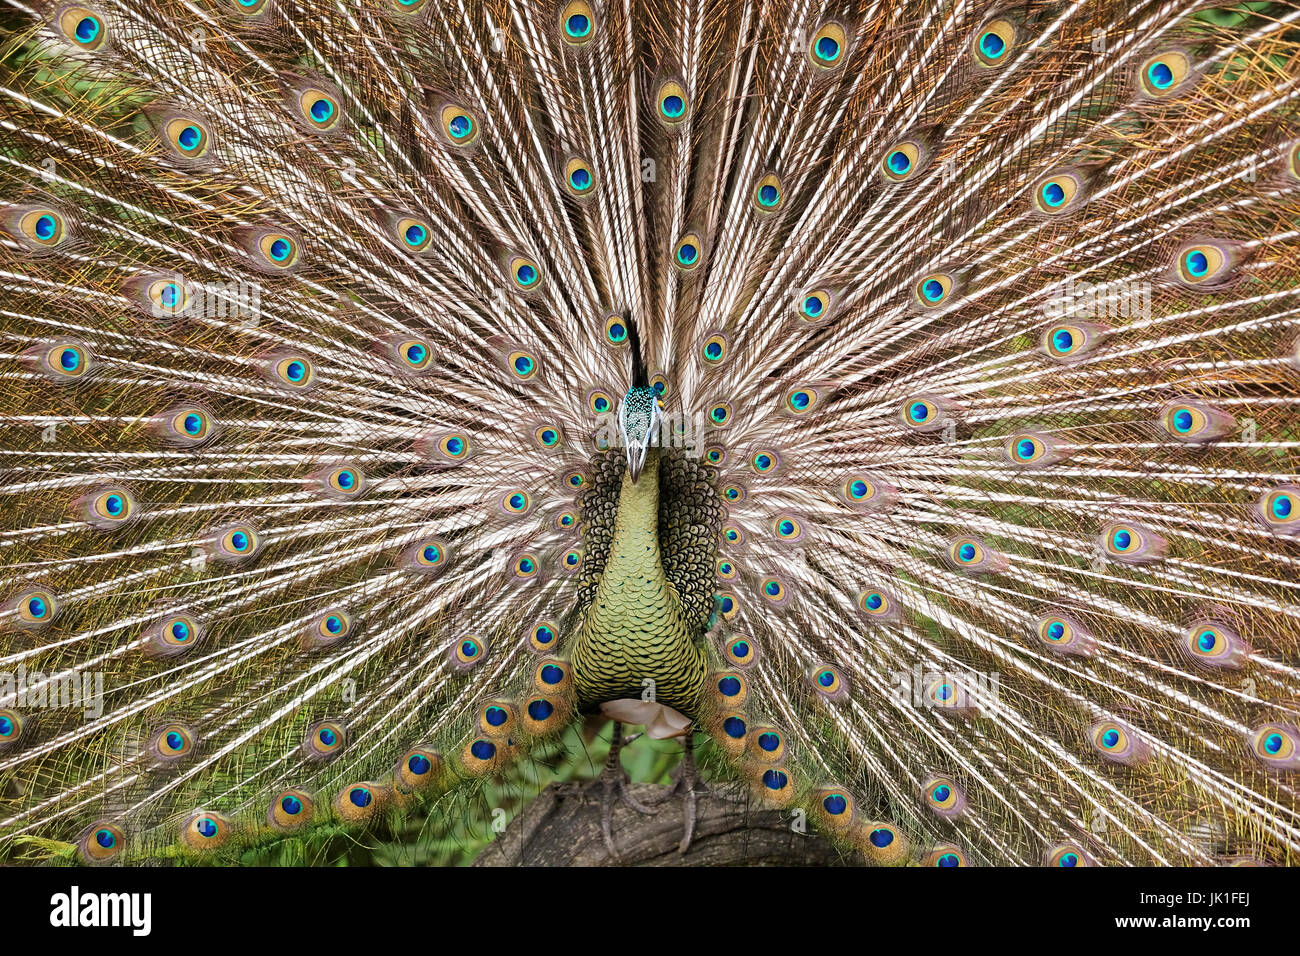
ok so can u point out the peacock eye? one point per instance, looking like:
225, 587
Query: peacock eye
674, 106
187, 136
459, 125
524, 273
167, 297
319, 109
946, 856
548, 436
901, 161
1163, 74
1202, 264
1068, 855
815, 305
11, 728
714, 349
828, 682
324, 739
616, 334
172, 742
412, 355
768, 195
919, 412
801, 400
249, 8
874, 602
1279, 509
826, 50
43, 228
191, 424
468, 652
542, 637
101, 843
205, 831
515, 502
293, 370
430, 554
414, 234
291, 809
788, 527
109, 509
83, 28
1029, 449
1057, 193
1277, 745
944, 797
237, 543
720, 414
688, 254
522, 365
993, 42
774, 590
278, 250
741, 652
1063, 342
453, 446
577, 23
933, 290
345, 481
579, 179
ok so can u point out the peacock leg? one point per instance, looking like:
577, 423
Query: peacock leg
613, 781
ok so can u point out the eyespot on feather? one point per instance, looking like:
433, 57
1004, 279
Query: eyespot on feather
84, 28
176, 633
101, 843
32, 607
206, 830
107, 507
578, 24
1278, 509
38, 229
1130, 543
232, 544
992, 44
1064, 635
291, 810
1196, 422
324, 740
1118, 743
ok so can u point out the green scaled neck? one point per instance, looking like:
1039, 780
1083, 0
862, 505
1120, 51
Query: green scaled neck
634, 628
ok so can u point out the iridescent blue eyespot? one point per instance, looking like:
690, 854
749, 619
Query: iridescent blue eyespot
826, 49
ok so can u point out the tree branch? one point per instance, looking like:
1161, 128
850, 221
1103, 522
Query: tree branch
561, 827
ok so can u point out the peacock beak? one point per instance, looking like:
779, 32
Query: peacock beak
635, 459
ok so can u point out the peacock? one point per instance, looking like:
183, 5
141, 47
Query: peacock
896, 399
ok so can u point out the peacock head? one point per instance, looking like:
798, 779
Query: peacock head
638, 424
